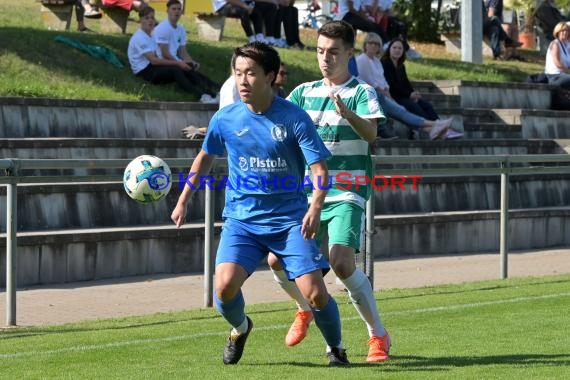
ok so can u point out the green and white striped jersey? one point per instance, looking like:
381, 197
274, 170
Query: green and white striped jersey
350, 153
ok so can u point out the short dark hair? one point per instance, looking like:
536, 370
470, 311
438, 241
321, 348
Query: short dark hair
146, 11
262, 54
173, 2
338, 29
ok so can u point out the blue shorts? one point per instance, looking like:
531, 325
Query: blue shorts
240, 246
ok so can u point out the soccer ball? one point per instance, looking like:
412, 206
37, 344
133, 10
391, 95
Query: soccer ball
147, 179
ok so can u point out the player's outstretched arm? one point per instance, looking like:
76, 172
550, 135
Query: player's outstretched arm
366, 128
312, 218
201, 166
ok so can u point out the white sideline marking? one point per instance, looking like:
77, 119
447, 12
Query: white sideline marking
266, 328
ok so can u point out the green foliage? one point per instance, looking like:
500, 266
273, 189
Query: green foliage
418, 16
499, 329
34, 64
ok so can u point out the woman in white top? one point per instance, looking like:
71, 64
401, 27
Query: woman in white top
557, 66
371, 71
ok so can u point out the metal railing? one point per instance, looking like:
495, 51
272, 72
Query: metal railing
503, 165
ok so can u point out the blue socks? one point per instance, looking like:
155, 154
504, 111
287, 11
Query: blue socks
233, 311
327, 320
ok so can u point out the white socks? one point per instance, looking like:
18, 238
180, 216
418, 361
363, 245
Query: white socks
290, 287
359, 290
241, 329
362, 297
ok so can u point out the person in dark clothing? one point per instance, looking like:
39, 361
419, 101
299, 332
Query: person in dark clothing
288, 14
148, 66
493, 27
245, 12
351, 11
401, 90
546, 17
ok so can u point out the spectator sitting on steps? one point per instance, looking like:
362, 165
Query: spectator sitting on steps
371, 71
401, 89
242, 11
557, 66
147, 65
353, 12
170, 37
288, 15
493, 28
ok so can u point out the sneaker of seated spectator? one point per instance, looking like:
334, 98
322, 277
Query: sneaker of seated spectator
452, 134
90, 10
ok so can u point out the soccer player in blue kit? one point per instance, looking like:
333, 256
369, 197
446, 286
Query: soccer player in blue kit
267, 140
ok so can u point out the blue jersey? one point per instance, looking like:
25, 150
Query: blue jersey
267, 154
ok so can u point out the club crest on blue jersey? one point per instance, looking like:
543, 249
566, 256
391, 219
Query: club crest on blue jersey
243, 164
278, 132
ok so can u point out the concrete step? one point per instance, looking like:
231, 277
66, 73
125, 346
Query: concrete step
439, 101
469, 231
469, 193
538, 123
476, 94
50, 206
428, 87
469, 147
459, 115
492, 130
94, 148
58, 256
44, 117
476, 115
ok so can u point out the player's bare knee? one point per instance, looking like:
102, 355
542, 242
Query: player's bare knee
343, 270
274, 262
342, 261
320, 301
226, 291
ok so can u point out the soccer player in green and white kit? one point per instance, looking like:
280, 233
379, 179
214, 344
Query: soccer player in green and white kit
346, 113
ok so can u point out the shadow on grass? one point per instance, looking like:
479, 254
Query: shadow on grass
423, 363
118, 325
39, 50
413, 363
512, 72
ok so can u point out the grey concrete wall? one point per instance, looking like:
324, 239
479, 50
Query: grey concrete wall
95, 205
445, 194
498, 95
86, 256
473, 232
67, 206
466, 147
111, 250
83, 256
37, 117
